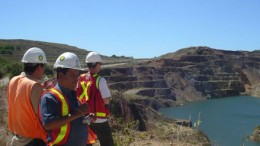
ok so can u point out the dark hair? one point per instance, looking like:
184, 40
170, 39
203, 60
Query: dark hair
61, 70
30, 68
92, 65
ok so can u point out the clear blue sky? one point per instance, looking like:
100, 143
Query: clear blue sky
138, 28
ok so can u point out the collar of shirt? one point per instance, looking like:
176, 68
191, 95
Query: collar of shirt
70, 94
64, 90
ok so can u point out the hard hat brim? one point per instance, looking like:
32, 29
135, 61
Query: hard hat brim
80, 69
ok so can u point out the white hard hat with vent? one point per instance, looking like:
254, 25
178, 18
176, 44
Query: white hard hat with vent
68, 60
93, 57
34, 55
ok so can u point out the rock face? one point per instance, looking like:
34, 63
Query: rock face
190, 74
256, 135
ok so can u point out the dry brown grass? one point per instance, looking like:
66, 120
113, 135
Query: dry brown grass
162, 134
4, 133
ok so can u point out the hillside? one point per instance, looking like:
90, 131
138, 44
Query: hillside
11, 53
53, 50
190, 74
134, 122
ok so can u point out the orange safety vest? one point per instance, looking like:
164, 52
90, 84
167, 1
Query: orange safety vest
89, 92
60, 135
22, 119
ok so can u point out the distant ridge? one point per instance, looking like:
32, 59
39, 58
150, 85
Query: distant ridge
201, 50
52, 50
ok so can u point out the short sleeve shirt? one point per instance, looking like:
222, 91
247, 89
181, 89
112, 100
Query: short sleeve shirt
103, 88
50, 110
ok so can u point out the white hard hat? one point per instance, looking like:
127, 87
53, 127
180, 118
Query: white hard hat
68, 60
34, 55
93, 57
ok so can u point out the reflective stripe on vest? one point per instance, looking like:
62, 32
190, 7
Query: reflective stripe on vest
85, 88
97, 80
100, 114
64, 111
85, 91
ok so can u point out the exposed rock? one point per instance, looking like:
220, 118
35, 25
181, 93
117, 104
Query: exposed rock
137, 110
256, 134
190, 74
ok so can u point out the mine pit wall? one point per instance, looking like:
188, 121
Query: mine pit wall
170, 82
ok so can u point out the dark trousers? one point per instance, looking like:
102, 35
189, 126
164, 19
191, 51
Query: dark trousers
103, 132
36, 142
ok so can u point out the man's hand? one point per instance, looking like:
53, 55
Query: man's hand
83, 109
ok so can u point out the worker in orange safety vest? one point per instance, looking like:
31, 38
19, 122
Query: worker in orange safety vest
24, 92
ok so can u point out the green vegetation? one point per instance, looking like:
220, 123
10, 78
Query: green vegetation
48, 71
256, 51
1, 74
9, 68
122, 57
123, 132
257, 128
4, 133
256, 134
6, 65
6, 49
14, 69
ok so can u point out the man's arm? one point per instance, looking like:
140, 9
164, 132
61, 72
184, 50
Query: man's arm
105, 93
36, 96
106, 100
50, 113
66, 119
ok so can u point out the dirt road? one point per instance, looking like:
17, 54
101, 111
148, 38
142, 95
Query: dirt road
4, 81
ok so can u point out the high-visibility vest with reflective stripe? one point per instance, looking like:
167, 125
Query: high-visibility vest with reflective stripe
88, 91
60, 135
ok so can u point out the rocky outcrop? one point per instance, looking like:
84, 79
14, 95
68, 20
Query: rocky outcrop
256, 135
136, 110
190, 74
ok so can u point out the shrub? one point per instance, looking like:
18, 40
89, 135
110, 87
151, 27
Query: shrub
14, 69
123, 132
6, 49
48, 71
1, 74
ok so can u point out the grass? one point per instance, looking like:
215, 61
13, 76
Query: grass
124, 133
4, 133
162, 133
